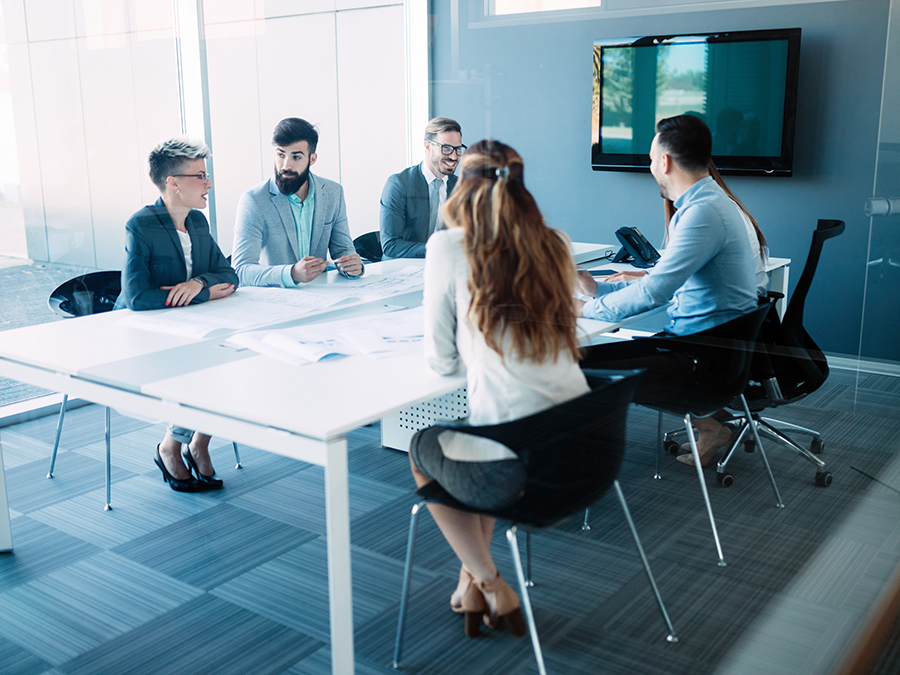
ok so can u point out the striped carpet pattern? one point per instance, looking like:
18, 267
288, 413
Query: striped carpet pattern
236, 581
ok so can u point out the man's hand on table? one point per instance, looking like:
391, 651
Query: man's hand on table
350, 264
307, 269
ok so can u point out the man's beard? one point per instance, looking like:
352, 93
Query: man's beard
290, 182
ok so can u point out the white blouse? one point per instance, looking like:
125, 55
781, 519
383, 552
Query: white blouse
499, 389
185, 240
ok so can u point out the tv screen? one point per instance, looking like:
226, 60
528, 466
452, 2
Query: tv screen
742, 84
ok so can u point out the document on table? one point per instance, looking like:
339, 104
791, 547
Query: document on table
377, 336
375, 286
246, 308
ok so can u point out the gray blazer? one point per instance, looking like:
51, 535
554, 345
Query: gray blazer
405, 211
265, 237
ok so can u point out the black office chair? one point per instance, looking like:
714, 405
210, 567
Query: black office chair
368, 246
787, 366
92, 293
572, 454
722, 356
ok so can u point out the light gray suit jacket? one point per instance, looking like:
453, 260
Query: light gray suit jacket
265, 237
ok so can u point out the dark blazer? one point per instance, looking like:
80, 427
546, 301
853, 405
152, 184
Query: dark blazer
405, 209
154, 258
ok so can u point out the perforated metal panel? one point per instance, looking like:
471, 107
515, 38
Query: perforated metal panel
398, 429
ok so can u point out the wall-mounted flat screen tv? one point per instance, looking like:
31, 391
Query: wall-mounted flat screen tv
742, 84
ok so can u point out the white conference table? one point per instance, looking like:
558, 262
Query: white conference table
302, 412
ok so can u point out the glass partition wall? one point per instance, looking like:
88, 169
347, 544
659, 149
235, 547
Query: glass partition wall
881, 315
87, 87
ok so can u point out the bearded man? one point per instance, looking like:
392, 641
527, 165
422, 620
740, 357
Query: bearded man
286, 226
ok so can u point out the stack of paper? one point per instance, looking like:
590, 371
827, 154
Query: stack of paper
376, 336
248, 307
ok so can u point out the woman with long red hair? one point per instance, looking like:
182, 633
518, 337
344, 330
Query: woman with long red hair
498, 302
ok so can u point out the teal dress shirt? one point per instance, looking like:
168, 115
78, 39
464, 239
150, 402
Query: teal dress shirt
302, 212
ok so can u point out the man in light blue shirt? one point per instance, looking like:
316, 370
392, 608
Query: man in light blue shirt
286, 226
707, 267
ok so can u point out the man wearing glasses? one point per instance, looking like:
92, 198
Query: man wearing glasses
412, 199
286, 226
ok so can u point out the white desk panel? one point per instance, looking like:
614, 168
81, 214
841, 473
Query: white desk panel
73, 345
321, 400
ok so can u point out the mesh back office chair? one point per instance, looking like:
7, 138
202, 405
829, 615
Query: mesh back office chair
572, 454
368, 246
722, 358
92, 293
787, 366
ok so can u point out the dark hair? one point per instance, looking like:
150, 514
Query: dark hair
439, 125
687, 140
171, 156
293, 130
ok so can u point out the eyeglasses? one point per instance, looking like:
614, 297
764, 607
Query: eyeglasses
203, 176
449, 149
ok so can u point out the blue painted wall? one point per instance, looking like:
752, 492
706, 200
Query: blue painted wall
530, 86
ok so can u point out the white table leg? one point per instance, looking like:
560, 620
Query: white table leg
340, 588
5, 528
778, 281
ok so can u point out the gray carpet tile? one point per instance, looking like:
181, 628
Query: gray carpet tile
319, 663
14, 660
132, 451
293, 588
75, 609
704, 636
386, 531
299, 499
38, 550
19, 449
30, 489
387, 466
434, 641
266, 468
879, 382
232, 641
211, 547
81, 426
560, 564
12, 391
141, 505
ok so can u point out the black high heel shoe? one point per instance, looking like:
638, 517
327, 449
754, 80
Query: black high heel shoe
188, 485
207, 482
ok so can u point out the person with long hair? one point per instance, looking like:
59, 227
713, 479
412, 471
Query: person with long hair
171, 260
498, 302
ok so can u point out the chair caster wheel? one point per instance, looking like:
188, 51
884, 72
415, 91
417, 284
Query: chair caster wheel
824, 479
725, 479
749, 446
671, 447
817, 446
